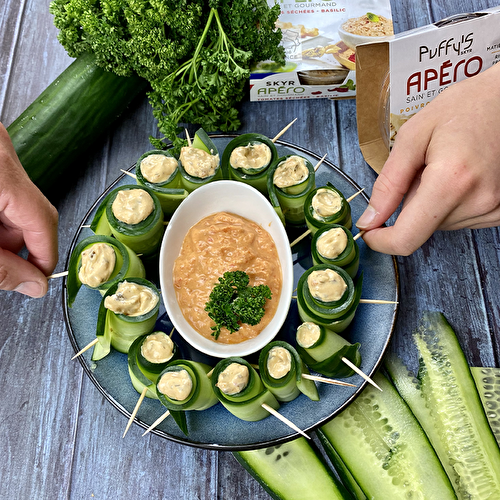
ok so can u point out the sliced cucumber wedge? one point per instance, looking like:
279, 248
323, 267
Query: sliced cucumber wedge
488, 386
385, 449
444, 399
293, 471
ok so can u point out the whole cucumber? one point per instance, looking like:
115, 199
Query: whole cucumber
68, 116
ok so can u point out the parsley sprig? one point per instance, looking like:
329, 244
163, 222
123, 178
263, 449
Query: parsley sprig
232, 302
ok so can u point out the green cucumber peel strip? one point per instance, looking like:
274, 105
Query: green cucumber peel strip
325, 356
172, 182
342, 217
256, 178
127, 264
247, 405
118, 330
488, 386
292, 384
291, 204
293, 471
190, 182
327, 312
348, 259
150, 369
385, 449
201, 396
445, 401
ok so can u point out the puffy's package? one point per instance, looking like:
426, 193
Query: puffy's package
398, 77
320, 39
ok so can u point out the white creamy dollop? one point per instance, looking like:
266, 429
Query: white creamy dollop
176, 385
253, 156
158, 168
157, 348
279, 362
326, 285
325, 203
131, 299
198, 163
332, 243
132, 205
290, 172
97, 264
308, 334
233, 379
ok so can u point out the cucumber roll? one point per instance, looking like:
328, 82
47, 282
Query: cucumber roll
239, 388
247, 158
322, 350
334, 244
281, 370
128, 310
184, 385
159, 171
199, 163
326, 206
290, 179
148, 356
99, 262
327, 295
132, 215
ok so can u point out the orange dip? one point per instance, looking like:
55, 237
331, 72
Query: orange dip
218, 243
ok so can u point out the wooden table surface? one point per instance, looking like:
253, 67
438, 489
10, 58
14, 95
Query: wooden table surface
59, 437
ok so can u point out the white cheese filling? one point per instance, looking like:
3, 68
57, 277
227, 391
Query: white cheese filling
131, 299
157, 348
290, 172
326, 203
176, 385
158, 168
332, 243
198, 163
132, 205
279, 362
326, 285
308, 334
252, 156
233, 379
97, 264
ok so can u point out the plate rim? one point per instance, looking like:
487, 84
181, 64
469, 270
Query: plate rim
215, 446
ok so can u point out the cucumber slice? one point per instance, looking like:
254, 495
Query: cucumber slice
292, 471
385, 449
488, 386
445, 401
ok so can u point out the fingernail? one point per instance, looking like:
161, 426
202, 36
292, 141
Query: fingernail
366, 217
31, 288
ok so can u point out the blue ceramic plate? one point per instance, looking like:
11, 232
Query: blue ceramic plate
216, 428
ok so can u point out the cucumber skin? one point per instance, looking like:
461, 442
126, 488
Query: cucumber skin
57, 129
293, 471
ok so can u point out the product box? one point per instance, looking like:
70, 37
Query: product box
320, 39
398, 77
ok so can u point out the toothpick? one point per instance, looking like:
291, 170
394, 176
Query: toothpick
320, 162
272, 411
359, 372
187, 137
354, 195
57, 275
300, 238
86, 348
209, 374
129, 173
85, 225
172, 332
136, 409
284, 130
377, 301
327, 380
157, 422
358, 235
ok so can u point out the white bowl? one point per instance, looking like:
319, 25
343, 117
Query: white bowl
352, 40
243, 200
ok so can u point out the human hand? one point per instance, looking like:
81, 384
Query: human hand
445, 163
26, 219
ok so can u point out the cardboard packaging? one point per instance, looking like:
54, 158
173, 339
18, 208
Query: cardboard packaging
320, 39
398, 77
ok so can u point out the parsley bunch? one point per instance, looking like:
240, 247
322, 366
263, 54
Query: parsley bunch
232, 302
196, 54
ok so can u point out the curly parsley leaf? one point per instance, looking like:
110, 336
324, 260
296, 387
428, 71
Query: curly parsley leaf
233, 302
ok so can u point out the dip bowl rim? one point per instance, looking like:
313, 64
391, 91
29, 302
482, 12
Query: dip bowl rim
244, 200
352, 39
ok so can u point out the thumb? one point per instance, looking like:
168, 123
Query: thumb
21, 276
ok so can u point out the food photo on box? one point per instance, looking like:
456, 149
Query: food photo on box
198, 311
